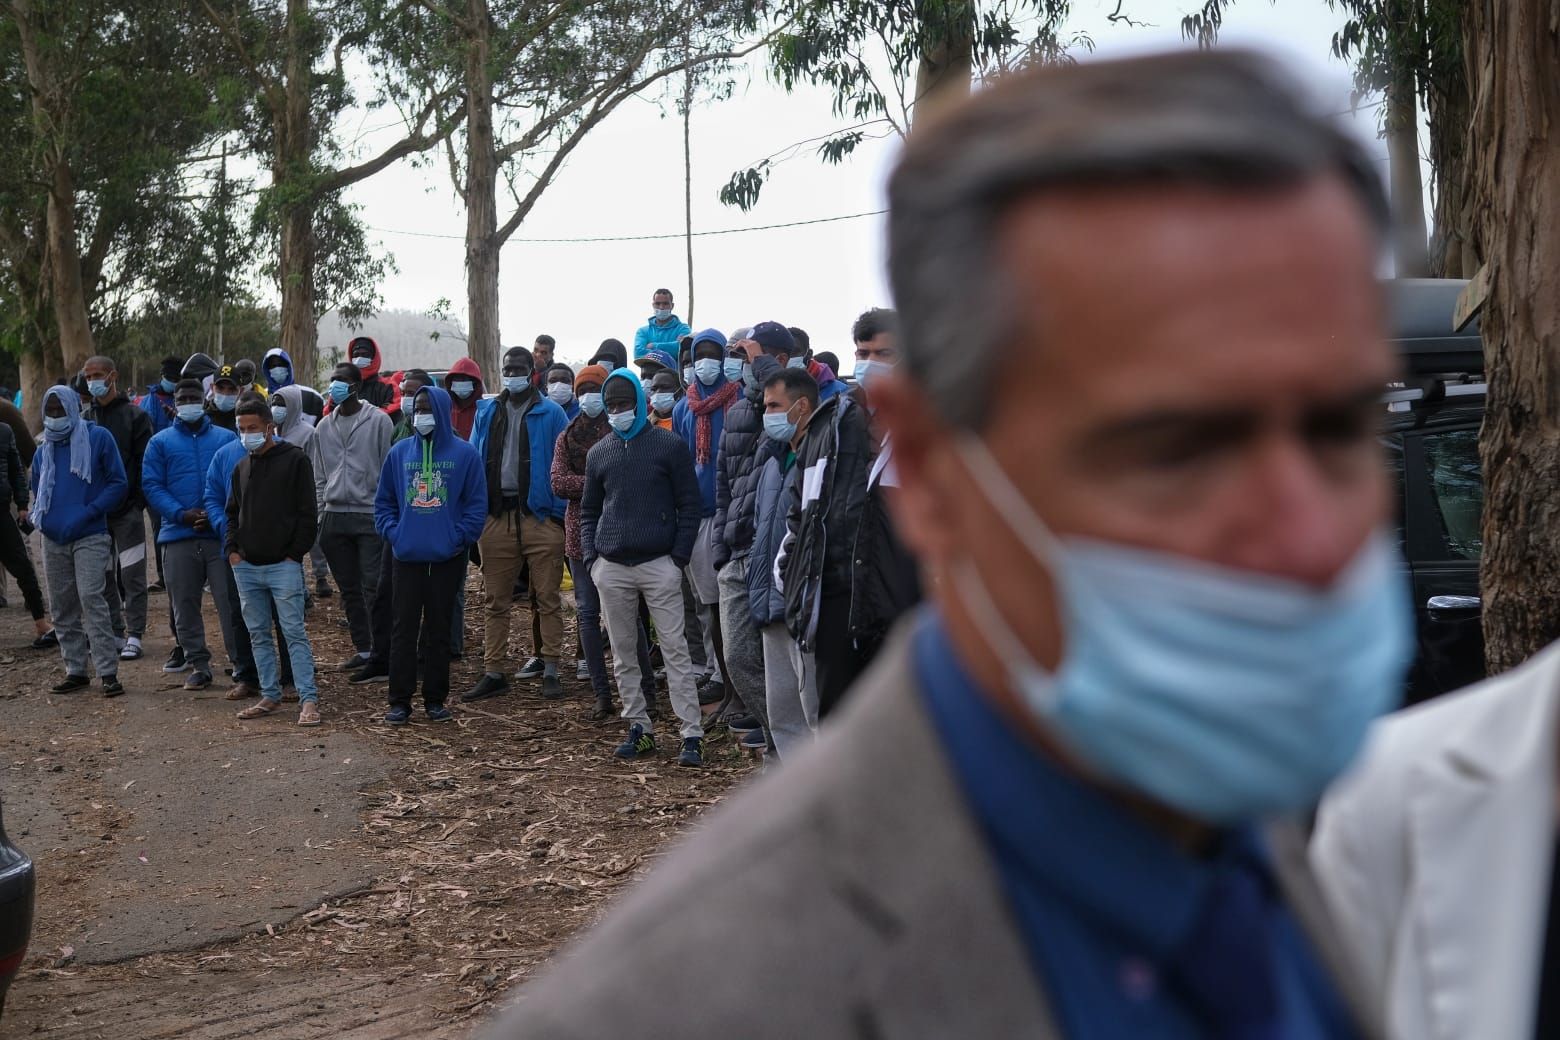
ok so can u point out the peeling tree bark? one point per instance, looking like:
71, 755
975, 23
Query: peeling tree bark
1513, 47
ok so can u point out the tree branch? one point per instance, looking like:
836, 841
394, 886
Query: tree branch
416, 141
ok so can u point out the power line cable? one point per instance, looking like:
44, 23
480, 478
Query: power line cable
642, 238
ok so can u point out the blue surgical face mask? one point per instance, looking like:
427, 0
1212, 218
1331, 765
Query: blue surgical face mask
167, 386
97, 387
731, 368
1225, 694
868, 371
191, 413
707, 370
462, 388
56, 424
748, 377
516, 384
339, 391
796, 362
560, 393
225, 402
622, 422
279, 375
253, 442
780, 428
278, 414
591, 404
424, 422
687, 375
662, 401
362, 362
663, 312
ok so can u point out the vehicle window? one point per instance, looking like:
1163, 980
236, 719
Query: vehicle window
1452, 458
1392, 451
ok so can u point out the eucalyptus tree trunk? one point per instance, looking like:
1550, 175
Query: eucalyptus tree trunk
483, 244
1513, 49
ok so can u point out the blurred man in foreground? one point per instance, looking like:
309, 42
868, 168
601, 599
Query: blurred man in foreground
1148, 496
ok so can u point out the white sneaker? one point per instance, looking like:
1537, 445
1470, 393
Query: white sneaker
130, 650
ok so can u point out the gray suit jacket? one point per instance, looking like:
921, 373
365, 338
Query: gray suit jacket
848, 896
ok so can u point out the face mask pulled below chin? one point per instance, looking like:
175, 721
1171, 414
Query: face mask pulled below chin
1225, 694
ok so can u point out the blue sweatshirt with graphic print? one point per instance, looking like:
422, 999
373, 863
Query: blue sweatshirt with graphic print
432, 500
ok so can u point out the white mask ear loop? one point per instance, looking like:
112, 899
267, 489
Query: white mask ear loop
1016, 512
1032, 682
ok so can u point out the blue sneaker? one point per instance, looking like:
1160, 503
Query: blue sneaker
440, 714
753, 740
638, 744
398, 716
692, 752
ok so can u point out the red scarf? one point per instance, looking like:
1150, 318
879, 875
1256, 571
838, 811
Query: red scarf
704, 407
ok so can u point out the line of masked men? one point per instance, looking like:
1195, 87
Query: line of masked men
720, 511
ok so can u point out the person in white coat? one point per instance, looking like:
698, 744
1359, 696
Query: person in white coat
1436, 855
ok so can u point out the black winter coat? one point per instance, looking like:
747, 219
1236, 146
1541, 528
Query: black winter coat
885, 581
823, 511
132, 429
13, 477
736, 477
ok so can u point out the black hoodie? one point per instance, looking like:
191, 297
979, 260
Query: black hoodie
270, 509
132, 428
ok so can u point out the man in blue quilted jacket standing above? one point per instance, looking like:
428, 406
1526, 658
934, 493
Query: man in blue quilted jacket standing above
663, 330
174, 483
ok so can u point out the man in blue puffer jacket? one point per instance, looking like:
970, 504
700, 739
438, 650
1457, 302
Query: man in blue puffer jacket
77, 480
174, 483
431, 506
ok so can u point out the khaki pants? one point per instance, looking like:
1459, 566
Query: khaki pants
660, 583
506, 541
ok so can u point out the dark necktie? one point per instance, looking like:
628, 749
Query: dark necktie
1225, 967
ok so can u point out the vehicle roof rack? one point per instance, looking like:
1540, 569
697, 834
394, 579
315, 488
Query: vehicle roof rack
1422, 314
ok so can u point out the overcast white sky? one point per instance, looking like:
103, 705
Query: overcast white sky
627, 179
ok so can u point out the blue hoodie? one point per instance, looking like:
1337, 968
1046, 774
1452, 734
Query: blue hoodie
78, 507
432, 501
641, 404
158, 404
685, 424
173, 474
266, 364
219, 484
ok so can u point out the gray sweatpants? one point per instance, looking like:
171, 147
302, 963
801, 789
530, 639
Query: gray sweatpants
78, 575
792, 689
744, 647
127, 571
189, 566
660, 583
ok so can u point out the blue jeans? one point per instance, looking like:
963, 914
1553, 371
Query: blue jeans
278, 587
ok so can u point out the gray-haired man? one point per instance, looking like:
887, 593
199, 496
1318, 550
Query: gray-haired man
1148, 496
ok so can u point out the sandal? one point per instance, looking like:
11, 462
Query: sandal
309, 714
260, 710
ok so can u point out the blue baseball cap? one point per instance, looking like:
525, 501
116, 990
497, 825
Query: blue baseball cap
657, 357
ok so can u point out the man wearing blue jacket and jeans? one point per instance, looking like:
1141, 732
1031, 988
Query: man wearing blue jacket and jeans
431, 506
638, 519
174, 483
77, 481
514, 436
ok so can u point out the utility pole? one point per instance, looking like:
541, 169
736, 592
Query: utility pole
687, 107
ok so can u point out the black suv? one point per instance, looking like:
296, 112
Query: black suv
16, 910
1432, 439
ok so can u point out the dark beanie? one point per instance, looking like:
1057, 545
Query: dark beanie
774, 337
190, 384
172, 368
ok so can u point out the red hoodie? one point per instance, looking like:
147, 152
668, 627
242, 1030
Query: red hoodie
379, 391
464, 413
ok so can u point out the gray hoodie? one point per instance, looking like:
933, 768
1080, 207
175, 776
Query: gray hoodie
347, 452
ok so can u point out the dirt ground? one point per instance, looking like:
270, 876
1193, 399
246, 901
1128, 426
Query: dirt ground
208, 878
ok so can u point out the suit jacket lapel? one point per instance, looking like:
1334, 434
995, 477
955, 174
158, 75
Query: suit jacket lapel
912, 865
1287, 846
